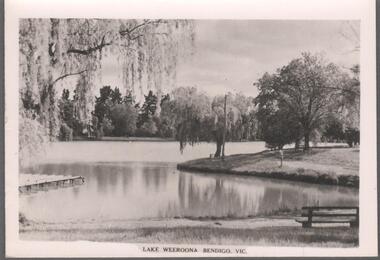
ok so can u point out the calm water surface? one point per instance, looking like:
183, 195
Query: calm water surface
139, 180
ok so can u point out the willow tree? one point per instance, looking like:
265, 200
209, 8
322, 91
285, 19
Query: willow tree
57, 53
224, 122
195, 117
187, 109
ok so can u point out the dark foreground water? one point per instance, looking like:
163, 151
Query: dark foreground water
132, 190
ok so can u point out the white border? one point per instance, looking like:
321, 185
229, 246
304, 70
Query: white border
363, 10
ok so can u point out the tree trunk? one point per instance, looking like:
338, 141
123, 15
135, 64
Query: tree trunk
225, 126
218, 134
218, 149
297, 145
307, 139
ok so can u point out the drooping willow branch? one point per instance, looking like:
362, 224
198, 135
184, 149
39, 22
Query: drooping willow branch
90, 50
128, 32
67, 75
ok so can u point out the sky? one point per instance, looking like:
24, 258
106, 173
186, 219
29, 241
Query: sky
230, 55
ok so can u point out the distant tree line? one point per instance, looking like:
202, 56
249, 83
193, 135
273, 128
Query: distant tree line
307, 100
186, 115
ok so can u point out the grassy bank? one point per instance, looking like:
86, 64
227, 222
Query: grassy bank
336, 166
262, 232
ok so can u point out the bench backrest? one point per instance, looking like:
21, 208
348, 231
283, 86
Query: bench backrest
330, 212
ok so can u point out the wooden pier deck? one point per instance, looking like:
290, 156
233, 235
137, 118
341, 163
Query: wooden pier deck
33, 182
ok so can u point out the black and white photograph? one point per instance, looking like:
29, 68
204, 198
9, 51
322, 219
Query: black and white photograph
190, 136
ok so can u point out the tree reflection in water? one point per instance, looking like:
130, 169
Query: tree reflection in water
138, 190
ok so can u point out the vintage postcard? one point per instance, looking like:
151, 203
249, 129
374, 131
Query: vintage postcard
158, 129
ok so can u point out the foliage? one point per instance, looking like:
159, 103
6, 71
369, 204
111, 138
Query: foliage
165, 122
68, 115
116, 97
333, 130
22, 219
241, 119
103, 103
186, 114
110, 107
128, 98
57, 53
32, 139
107, 126
347, 108
66, 108
149, 128
189, 108
307, 88
193, 117
65, 133
148, 109
123, 117
352, 136
279, 128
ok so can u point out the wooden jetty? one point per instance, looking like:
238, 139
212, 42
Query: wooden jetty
35, 182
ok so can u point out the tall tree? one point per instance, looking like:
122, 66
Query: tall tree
188, 109
233, 114
103, 103
116, 96
66, 108
307, 87
148, 109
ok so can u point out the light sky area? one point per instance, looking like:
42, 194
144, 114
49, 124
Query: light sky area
230, 55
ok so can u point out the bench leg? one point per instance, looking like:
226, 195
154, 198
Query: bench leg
306, 224
354, 224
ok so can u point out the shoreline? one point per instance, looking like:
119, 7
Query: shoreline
143, 139
122, 139
298, 166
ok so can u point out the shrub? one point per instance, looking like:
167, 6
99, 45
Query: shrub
65, 133
124, 118
32, 138
149, 128
22, 219
352, 136
107, 126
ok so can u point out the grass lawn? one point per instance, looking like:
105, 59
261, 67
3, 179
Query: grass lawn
269, 231
339, 166
261, 236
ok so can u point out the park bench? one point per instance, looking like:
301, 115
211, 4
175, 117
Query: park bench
312, 215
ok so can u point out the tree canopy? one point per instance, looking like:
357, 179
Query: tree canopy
308, 89
54, 49
54, 53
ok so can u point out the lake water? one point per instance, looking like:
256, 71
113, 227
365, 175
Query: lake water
139, 180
